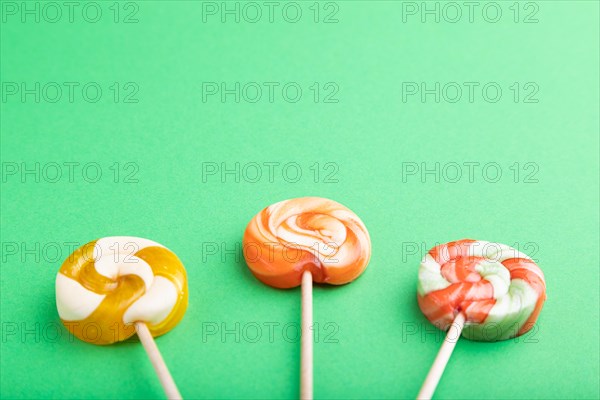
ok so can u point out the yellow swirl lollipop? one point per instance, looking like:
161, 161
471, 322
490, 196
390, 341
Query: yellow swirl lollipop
113, 287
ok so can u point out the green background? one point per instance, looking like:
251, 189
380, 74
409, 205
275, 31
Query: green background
380, 346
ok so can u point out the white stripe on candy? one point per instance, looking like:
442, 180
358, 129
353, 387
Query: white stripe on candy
154, 306
73, 301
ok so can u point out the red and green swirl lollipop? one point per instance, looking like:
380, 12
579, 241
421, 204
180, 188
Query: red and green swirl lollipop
481, 290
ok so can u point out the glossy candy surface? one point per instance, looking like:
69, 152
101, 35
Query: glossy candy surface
107, 284
500, 290
308, 233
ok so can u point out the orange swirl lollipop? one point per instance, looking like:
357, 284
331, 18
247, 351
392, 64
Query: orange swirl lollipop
298, 241
113, 287
310, 234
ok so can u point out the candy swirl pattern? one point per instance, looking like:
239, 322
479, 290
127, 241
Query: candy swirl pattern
306, 234
110, 283
500, 290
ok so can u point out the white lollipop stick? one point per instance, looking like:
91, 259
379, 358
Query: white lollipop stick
306, 349
157, 361
437, 369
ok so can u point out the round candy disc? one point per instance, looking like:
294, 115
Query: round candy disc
306, 234
499, 289
110, 283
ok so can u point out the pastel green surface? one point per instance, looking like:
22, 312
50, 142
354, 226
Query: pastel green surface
373, 341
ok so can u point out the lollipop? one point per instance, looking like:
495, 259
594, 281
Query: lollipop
298, 241
113, 287
485, 291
